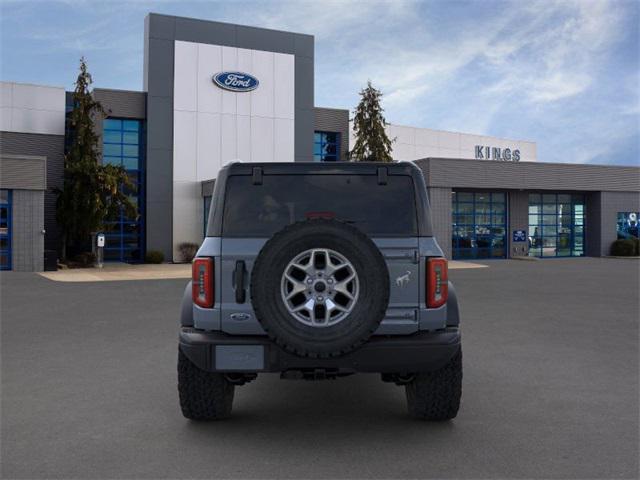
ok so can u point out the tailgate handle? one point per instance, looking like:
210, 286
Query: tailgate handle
238, 281
256, 176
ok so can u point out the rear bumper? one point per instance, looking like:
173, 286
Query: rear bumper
421, 352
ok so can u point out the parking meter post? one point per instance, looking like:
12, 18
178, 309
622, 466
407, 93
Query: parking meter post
100, 250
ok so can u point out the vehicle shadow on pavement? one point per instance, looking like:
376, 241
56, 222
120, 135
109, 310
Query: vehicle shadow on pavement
351, 403
354, 427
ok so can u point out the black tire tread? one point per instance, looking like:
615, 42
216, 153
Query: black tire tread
436, 395
203, 395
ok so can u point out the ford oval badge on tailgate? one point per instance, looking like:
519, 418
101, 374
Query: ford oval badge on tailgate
240, 316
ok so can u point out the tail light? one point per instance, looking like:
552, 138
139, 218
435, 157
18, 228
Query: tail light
202, 282
437, 282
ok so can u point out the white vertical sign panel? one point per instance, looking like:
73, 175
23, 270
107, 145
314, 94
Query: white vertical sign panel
213, 126
209, 59
185, 76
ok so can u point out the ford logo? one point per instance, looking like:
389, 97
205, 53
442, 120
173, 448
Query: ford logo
236, 81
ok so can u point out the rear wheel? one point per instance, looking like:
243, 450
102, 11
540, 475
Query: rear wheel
203, 395
436, 395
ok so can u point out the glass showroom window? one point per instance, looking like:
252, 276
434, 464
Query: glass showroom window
123, 145
326, 147
627, 225
479, 224
556, 225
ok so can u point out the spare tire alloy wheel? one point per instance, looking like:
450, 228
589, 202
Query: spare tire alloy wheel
320, 288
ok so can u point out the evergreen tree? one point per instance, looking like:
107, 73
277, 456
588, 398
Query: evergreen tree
91, 192
371, 141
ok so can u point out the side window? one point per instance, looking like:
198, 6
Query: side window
207, 208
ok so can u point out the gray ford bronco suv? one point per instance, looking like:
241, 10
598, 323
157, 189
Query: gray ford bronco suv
314, 271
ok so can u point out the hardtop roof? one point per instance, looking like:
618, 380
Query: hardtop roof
325, 168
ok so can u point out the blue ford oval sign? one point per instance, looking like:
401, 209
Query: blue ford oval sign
236, 81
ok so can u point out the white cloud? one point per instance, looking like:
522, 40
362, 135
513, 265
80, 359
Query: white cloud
557, 86
331, 18
556, 54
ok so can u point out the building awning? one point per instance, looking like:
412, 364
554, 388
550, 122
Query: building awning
489, 174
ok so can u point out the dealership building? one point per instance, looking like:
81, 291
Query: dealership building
215, 93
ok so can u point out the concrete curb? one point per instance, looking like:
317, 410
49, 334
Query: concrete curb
462, 265
121, 272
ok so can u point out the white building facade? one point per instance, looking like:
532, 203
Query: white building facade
411, 143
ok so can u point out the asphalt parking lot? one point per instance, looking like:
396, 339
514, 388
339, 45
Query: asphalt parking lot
550, 388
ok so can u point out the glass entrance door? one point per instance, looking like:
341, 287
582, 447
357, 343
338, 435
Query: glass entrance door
556, 225
5, 229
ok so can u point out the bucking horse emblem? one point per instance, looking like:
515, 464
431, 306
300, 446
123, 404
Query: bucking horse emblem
403, 280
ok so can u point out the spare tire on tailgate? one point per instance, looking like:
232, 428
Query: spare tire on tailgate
320, 288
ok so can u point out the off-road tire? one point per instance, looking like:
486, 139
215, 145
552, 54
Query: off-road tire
203, 395
362, 321
436, 395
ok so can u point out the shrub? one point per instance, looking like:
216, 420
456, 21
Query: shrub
624, 248
636, 242
85, 259
154, 256
188, 250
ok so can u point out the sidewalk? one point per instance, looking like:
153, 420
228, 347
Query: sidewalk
121, 271
460, 265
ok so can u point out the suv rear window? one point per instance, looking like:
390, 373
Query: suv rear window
262, 210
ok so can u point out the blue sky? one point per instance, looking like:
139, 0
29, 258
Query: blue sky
564, 74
